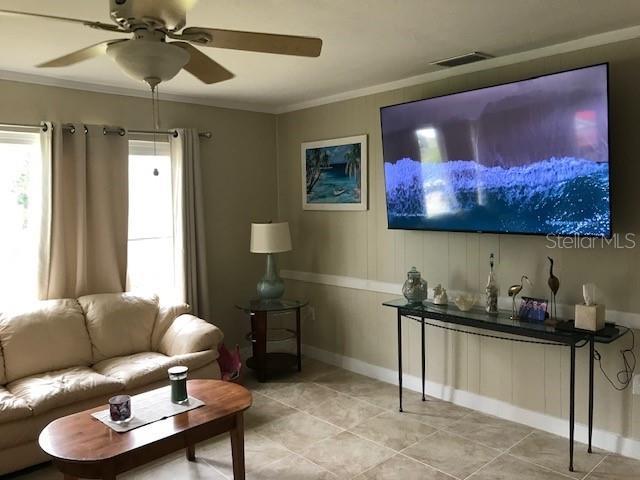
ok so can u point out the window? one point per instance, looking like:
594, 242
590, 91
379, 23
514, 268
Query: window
151, 266
21, 197
429, 145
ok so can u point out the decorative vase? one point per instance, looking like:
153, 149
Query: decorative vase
414, 288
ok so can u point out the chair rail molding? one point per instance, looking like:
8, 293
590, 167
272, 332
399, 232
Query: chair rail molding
626, 319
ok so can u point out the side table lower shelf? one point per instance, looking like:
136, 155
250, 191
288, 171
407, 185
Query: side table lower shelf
274, 362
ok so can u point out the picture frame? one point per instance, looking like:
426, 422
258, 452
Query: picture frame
334, 174
533, 309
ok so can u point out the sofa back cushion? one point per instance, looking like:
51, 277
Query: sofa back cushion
119, 323
49, 335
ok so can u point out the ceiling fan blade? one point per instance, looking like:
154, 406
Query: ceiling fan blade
202, 67
80, 55
256, 42
88, 23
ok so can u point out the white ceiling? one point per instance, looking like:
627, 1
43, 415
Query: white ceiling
366, 42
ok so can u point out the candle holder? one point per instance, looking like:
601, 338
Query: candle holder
120, 408
178, 379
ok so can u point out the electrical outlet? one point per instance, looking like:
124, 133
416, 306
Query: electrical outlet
636, 384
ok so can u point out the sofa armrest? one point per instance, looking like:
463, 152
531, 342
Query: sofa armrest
190, 334
166, 315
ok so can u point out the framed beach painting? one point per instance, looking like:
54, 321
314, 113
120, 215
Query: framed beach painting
334, 174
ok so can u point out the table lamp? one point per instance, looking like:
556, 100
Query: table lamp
270, 238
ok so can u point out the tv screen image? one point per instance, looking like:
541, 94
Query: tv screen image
525, 157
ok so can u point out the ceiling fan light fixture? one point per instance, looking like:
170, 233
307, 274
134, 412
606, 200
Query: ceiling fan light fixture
143, 59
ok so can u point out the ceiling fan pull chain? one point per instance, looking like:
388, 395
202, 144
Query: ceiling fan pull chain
153, 117
158, 107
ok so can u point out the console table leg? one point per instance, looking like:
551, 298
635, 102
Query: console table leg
423, 360
400, 358
572, 404
237, 448
191, 453
592, 348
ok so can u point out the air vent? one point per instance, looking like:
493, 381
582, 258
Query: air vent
462, 59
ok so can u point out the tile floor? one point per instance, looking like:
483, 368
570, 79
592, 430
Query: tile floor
330, 424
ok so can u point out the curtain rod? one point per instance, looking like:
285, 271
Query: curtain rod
105, 130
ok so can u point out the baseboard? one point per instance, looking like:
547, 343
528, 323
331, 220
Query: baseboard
559, 426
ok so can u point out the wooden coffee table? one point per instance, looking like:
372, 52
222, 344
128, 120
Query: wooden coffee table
82, 446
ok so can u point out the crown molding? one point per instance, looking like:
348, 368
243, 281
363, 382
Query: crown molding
22, 77
570, 46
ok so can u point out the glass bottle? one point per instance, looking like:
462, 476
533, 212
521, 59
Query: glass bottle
491, 289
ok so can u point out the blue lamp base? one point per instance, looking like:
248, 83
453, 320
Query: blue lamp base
271, 286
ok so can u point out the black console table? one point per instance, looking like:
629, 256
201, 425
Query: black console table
562, 334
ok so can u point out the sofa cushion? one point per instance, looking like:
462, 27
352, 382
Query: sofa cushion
119, 323
11, 407
63, 387
135, 370
144, 368
50, 335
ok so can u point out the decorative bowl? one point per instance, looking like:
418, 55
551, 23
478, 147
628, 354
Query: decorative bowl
465, 301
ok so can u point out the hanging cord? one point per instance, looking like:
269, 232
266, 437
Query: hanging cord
519, 340
624, 376
154, 120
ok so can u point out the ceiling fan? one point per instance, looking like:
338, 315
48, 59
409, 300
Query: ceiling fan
148, 56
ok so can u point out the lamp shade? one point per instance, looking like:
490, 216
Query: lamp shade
270, 237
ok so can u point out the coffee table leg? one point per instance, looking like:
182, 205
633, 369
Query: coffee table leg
191, 453
237, 448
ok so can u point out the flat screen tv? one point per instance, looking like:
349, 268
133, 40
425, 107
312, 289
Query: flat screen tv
529, 157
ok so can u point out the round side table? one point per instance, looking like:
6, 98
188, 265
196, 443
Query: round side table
263, 362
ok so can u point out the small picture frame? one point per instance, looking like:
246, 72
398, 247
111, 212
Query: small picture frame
533, 309
334, 174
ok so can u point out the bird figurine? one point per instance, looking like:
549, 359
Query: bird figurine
513, 292
554, 285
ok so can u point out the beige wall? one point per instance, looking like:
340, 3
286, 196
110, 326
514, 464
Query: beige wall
238, 168
358, 244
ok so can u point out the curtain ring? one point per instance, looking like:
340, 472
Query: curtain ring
86, 130
122, 132
175, 134
44, 127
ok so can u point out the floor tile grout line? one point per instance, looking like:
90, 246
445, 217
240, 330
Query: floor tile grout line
597, 465
426, 464
549, 469
485, 465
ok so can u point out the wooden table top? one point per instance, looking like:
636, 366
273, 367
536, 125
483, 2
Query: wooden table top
83, 438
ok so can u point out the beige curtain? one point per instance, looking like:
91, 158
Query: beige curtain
189, 237
89, 220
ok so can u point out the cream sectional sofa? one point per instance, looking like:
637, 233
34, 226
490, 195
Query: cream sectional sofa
63, 356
